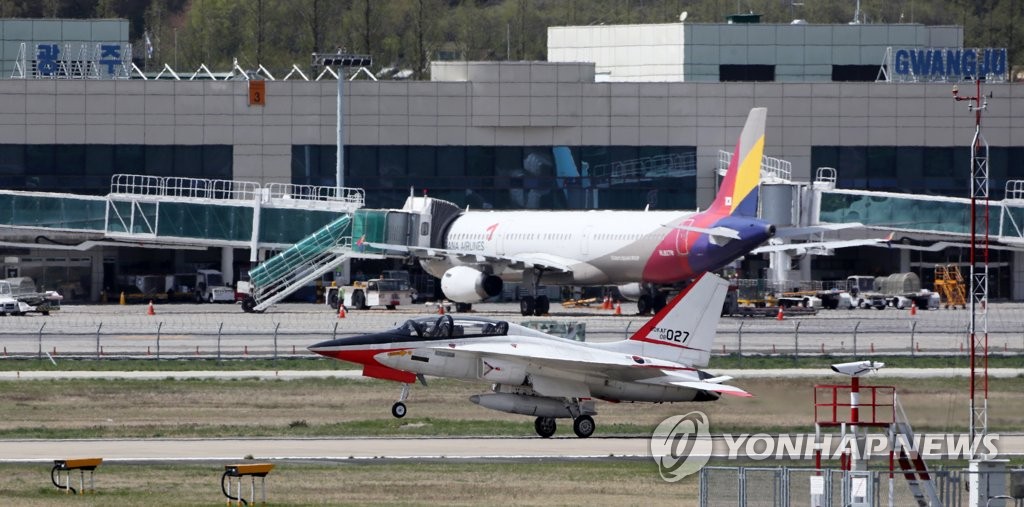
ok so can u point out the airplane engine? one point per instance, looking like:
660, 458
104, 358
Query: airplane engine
631, 291
464, 284
502, 372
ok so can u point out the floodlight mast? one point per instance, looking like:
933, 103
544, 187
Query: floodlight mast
341, 60
978, 426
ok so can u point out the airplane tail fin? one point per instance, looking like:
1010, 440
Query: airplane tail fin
739, 190
685, 329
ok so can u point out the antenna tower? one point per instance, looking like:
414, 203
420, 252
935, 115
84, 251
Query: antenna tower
979, 277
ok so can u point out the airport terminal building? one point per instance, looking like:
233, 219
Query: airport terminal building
871, 101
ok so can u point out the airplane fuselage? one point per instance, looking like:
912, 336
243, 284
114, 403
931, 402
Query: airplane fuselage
602, 247
401, 358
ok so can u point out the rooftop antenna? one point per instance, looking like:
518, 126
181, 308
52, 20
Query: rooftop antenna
856, 15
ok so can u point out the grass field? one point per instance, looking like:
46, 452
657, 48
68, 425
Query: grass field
534, 482
343, 407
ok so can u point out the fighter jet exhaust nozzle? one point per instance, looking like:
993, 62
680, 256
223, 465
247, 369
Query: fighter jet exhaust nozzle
467, 285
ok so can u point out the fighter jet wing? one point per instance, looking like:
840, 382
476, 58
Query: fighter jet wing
599, 362
714, 384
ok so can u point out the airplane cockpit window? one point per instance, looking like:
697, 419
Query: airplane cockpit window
446, 327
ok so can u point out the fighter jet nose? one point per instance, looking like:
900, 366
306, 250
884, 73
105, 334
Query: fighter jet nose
475, 399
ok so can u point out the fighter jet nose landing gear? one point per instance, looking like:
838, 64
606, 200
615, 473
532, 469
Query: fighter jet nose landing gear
545, 426
583, 426
398, 409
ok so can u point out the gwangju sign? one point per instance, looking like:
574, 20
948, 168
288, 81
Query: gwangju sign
947, 64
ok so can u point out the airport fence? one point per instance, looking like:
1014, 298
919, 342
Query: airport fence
766, 486
242, 337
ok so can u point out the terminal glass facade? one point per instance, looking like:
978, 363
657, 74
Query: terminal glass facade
506, 177
87, 168
930, 170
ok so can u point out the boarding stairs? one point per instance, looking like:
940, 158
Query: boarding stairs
911, 463
950, 285
299, 264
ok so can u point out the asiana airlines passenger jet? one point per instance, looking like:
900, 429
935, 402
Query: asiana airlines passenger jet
483, 249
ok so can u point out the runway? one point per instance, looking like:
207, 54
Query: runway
340, 449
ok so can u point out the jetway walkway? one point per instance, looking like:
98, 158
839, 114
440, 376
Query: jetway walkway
172, 211
917, 213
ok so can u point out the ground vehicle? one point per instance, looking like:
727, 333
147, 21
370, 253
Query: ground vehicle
9, 305
389, 293
210, 287
24, 290
898, 290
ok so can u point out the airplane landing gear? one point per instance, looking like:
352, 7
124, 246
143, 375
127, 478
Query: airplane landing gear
545, 426
533, 304
526, 306
398, 409
542, 306
583, 426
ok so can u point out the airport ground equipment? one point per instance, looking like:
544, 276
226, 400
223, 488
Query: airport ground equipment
870, 406
387, 292
24, 290
68, 465
10, 305
299, 264
210, 287
949, 283
240, 471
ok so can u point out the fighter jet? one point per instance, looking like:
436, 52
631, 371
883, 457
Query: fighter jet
548, 377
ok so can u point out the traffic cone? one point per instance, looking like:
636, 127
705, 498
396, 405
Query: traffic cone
913, 309
779, 316
122, 300
607, 305
150, 311
618, 308
341, 311
440, 308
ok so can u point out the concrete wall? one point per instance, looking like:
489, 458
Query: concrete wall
623, 52
512, 112
694, 51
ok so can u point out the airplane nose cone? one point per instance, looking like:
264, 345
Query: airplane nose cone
770, 230
475, 399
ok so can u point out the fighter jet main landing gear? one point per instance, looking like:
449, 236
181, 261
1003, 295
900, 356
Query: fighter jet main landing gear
583, 426
398, 409
545, 426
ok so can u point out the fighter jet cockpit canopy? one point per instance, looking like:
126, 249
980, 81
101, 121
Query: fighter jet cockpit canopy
445, 326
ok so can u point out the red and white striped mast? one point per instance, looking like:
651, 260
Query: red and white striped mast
979, 280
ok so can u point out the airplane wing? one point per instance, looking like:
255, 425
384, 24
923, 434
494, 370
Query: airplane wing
594, 361
609, 364
714, 384
792, 232
800, 248
523, 260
